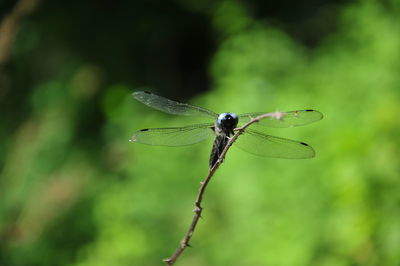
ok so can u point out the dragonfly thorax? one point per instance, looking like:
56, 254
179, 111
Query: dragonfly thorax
225, 123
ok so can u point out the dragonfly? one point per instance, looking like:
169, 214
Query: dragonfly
222, 127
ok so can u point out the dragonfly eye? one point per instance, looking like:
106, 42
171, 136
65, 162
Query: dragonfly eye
228, 120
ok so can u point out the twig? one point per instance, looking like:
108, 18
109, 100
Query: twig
197, 204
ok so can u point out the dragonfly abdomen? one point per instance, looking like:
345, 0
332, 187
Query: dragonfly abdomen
218, 146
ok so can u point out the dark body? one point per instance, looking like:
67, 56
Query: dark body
224, 126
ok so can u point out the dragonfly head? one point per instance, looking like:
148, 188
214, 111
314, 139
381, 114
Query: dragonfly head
227, 122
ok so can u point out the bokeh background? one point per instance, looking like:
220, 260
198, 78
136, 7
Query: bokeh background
74, 191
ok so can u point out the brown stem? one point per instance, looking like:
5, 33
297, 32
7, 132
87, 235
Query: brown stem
197, 204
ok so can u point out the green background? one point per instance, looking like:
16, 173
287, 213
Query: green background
74, 191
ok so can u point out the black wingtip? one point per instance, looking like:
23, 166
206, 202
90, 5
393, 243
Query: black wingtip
316, 112
305, 144
144, 129
138, 93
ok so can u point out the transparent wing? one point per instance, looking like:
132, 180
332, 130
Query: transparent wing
174, 136
171, 107
269, 146
290, 119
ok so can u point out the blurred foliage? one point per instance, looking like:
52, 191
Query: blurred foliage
75, 192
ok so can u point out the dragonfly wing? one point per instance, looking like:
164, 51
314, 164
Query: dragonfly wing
269, 146
174, 136
289, 119
171, 107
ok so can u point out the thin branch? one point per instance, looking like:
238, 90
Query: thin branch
197, 204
